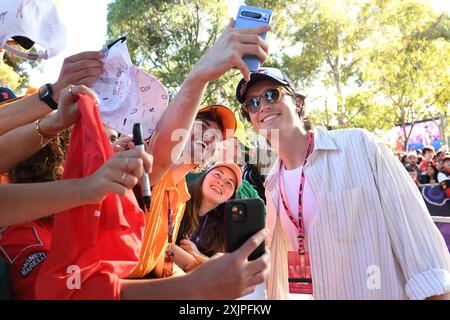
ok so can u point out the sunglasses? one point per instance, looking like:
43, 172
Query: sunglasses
270, 96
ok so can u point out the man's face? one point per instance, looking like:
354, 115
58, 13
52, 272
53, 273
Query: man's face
412, 160
205, 135
276, 115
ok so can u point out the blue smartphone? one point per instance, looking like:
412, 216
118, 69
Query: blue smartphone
250, 17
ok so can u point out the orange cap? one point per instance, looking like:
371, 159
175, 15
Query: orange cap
227, 116
233, 167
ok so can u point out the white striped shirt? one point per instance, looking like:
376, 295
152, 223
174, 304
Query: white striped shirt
373, 237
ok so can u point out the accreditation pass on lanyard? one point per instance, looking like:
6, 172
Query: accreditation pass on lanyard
299, 266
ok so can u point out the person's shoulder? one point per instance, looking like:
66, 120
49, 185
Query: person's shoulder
352, 132
352, 136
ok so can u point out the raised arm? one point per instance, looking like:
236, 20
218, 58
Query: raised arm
223, 56
19, 144
229, 276
82, 68
20, 203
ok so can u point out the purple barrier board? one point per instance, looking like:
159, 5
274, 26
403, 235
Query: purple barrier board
436, 200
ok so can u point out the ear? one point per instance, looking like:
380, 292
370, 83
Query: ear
298, 104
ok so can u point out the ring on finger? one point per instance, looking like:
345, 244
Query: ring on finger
70, 90
122, 178
127, 161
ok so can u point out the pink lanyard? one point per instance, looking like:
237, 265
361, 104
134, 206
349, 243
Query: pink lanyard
300, 224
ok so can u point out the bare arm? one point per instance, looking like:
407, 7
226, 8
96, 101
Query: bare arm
189, 247
82, 68
180, 114
20, 203
22, 111
184, 259
224, 55
21, 143
229, 276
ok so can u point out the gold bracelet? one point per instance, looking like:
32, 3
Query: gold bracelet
41, 134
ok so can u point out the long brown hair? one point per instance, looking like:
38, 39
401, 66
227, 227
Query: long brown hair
216, 237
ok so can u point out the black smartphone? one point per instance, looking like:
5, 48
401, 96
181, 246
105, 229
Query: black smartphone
244, 218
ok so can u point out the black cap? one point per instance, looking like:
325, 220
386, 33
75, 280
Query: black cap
6, 94
273, 74
24, 42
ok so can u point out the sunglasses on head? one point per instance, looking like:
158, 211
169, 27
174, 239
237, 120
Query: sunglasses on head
270, 96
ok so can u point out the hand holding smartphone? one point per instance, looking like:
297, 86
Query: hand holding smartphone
244, 218
251, 17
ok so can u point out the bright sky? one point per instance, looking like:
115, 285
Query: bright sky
85, 21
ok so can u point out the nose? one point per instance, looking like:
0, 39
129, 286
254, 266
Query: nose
264, 105
209, 138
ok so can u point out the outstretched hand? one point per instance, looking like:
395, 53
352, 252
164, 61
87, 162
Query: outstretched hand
232, 275
119, 174
81, 68
228, 51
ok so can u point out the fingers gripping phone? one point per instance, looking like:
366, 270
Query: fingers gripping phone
243, 218
250, 17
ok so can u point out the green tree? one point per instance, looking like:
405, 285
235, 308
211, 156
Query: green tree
406, 60
8, 77
318, 41
166, 38
13, 71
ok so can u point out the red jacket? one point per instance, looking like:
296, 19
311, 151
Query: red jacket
95, 245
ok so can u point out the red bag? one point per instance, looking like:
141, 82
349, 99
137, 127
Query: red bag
93, 246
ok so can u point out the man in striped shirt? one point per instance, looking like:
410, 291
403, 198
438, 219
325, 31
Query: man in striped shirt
344, 214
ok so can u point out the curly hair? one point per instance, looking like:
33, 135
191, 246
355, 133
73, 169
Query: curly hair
45, 165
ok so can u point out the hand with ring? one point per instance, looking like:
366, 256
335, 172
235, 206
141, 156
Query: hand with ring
119, 174
67, 113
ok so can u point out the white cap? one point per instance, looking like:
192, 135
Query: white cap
127, 94
36, 20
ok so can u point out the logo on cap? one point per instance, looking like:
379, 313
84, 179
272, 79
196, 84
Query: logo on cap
264, 71
243, 88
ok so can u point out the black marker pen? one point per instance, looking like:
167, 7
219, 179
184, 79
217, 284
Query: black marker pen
145, 183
